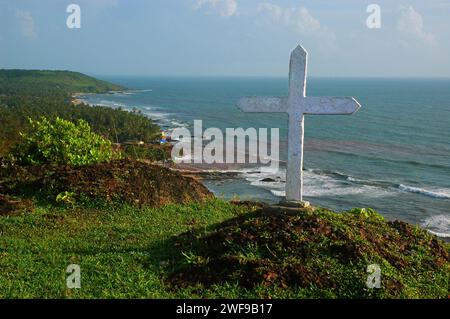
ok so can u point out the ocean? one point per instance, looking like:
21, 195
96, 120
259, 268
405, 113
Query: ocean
393, 155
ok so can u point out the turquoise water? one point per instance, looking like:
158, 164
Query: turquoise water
393, 155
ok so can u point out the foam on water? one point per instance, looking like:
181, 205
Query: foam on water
155, 114
108, 103
438, 193
316, 183
278, 193
438, 225
165, 120
122, 93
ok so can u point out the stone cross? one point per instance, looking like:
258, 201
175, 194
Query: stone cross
296, 105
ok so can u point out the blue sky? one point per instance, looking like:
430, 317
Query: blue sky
227, 37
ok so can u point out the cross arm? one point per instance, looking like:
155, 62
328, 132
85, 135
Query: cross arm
330, 105
263, 104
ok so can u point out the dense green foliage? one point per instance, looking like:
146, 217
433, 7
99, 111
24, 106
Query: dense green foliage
62, 142
152, 152
31, 96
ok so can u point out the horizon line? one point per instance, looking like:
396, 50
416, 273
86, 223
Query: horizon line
270, 76
94, 74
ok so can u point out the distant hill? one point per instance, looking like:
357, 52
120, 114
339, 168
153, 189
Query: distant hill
38, 82
31, 94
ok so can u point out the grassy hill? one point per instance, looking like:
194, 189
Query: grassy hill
31, 94
48, 82
214, 249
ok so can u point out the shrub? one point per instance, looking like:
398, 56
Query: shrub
367, 213
152, 152
62, 142
66, 198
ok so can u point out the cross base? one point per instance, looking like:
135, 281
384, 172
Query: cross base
295, 204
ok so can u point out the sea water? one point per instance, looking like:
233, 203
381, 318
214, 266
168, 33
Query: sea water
393, 155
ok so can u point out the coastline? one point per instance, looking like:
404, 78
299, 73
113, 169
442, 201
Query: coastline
76, 100
328, 187
130, 211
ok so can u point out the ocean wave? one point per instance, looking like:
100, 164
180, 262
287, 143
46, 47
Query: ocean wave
278, 193
441, 193
316, 183
156, 115
153, 111
108, 103
438, 225
439, 166
166, 120
319, 182
121, 93
177, 124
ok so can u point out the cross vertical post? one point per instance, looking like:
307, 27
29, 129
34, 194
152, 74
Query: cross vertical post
298, 66
296, 105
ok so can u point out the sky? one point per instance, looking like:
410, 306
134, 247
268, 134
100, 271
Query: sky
227, 37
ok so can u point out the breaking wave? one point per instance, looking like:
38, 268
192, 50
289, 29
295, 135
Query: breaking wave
442, 194
438, 225
328, 183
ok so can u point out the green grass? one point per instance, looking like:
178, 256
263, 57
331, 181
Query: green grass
128, 252
118, 249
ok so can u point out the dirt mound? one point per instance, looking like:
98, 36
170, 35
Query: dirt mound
127, 181
315, 250
14, 206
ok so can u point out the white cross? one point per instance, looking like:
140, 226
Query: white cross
296, 105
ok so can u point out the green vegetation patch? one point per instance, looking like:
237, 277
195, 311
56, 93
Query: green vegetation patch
129, 252
120, 181
152, 152
49, 82
121, 250
63, 142
315, 253
28, 94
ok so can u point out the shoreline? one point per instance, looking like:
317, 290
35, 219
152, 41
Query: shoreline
76, 100
226, 172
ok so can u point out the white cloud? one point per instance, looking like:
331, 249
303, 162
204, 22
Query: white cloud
411, 24
27, 25
226, 8
299, 19
273, 11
